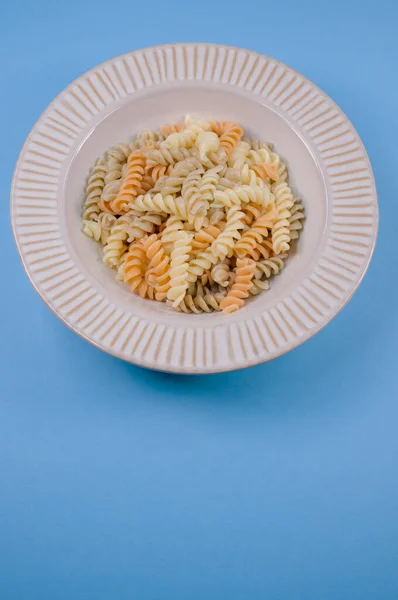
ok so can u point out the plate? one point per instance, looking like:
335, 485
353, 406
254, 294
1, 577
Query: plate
329, 169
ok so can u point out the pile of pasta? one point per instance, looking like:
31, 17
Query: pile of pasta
195, 215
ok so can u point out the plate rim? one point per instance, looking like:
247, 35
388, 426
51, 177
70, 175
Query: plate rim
227, 366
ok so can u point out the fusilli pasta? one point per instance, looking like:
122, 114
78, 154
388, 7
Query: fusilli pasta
194, 215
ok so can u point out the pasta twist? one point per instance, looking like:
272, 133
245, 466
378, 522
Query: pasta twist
250, 177
120, 268
166, 156
211, 159
252, 212
178, 175
208, 184
94, 189
257, 157
119, 153
202, 300
143, 225
207, 142
106, 221
204, 238
146, 185
219, 127
221, 272
262, 250
197, 222
182, 139
256, 145
131, 183
296, 216
161, 204
241, 287
109, 193
216, 216
242, 194
203, 261
255, 235
172, 225
269, 267
134, 269
179, 268
196, 203
148, 139
231, 136
196, 125
281, 228
223, 245
259, 285
238, 155
267, 171
171, 128
115, 245
158, 261
92, 229
158, 171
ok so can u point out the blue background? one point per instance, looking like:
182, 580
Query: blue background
278, 482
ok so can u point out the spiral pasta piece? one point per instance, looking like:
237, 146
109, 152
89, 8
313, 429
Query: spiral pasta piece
190, 192
208, 184
252, 212
242, 194
223, 245
166, 156
204, 238
295, 220
157, 260
250, 177
196, 125
269, 267
281, 229
179, 268
231, 136
161, 204
92, 229
203, 261
169, 235
258, 157
198, 221
171, 128
106, 221
115, 245
182, 139
267, 171
143, 225
180, 174
109, 193
219, 127
257, 145
241, 287
221, 272
131, 183
158, 171
145, 186
134, 269
237, 157
201, 300
255, 235
94, 189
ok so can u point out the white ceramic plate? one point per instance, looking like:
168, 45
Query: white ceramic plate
329, 169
